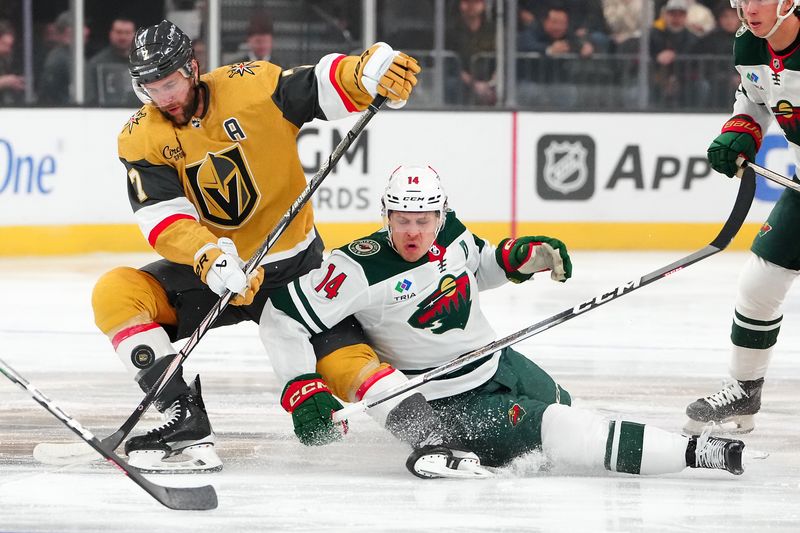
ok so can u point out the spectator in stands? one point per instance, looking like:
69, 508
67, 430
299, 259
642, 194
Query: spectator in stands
107, 78
700, 19
472, 33
667, 48
624, 19
12, 85
554, 37
586, 17
259, 39
56, 83
718, 82
720, 40
552, 77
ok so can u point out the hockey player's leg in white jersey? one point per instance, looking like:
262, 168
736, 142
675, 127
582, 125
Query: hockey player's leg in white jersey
577, 437
754, 332
410, 418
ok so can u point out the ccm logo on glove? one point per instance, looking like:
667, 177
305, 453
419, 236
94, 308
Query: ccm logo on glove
300, 391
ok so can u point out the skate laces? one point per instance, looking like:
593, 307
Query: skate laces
709, 451
731, 391
171, 416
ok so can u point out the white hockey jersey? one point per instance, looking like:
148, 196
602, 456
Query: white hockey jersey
417, 316
770, 85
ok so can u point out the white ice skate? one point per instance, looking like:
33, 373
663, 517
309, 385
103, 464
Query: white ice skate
430, 462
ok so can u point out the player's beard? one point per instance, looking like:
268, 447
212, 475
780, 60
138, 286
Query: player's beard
189, 109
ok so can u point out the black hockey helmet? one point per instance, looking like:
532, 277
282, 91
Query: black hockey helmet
157, 52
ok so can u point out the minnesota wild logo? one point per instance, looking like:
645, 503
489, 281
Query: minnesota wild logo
446, 308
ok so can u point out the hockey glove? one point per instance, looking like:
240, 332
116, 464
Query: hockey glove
221, 268
740, 135
311, 403
521, 258
381, 70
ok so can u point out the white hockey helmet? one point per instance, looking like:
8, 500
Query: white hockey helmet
415, 189
739, 5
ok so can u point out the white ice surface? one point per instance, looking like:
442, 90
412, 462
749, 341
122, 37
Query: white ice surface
645, 355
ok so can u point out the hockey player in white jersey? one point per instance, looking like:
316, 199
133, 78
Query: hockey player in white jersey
768, 61
414, 287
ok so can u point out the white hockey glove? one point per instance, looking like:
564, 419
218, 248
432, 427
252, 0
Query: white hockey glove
220, 267
381, 70
523, 257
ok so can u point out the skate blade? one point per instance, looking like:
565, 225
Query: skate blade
757, 455
66, 453
735, 425
435, 466
201, 459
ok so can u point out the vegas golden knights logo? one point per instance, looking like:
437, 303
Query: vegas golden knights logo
224, 187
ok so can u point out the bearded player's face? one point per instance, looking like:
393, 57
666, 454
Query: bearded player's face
175, 96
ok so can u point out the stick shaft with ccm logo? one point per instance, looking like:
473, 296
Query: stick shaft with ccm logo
735, 220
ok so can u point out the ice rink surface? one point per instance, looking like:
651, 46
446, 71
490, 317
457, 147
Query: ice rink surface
645, 356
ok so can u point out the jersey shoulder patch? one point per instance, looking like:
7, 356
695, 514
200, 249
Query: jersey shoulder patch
376, 257
244, 77
146, 135
364, 247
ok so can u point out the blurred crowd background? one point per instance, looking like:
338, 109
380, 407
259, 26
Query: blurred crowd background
587, 55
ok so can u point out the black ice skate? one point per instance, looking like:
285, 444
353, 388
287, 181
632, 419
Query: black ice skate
186, 432
731, 409
706, 451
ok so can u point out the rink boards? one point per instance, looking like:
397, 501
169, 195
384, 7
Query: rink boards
598, 181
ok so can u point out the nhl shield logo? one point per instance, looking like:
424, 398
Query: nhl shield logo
565, 167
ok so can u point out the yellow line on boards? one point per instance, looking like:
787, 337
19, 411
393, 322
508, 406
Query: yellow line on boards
89, 238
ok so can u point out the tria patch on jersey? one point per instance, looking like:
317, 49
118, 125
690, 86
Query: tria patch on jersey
446, 308
515, 414
364, 247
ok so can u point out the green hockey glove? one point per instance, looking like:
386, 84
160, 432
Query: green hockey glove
521, 258
311, 403
741, 135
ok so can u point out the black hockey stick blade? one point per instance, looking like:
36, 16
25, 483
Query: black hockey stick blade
733, 224
116, 438
179, 498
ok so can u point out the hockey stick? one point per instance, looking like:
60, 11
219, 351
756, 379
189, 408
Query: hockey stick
180, 498
69, 453
769, 174
735, 220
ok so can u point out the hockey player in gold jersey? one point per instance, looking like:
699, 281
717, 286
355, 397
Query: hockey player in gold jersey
212, 165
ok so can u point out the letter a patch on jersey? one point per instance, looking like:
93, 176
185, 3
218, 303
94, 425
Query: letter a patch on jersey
224, 188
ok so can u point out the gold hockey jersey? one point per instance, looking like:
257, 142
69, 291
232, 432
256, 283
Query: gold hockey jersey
234, 171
